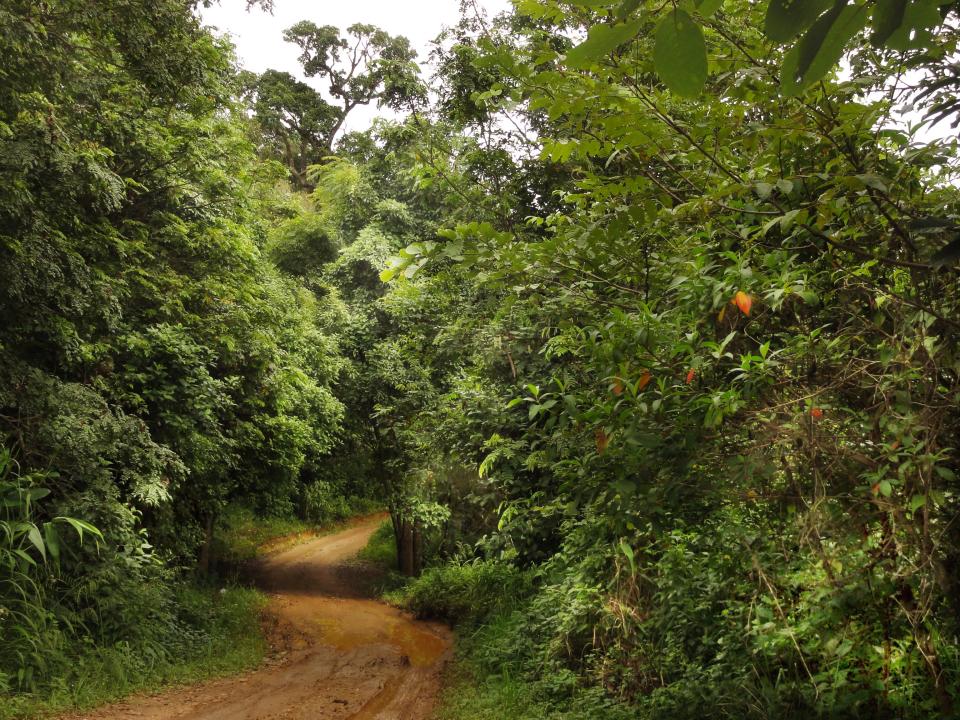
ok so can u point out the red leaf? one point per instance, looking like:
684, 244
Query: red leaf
743, 301
644, 380
691, 374
816, 413
602, 440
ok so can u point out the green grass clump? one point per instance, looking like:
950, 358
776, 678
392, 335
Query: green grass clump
499, 673
212, 633
381, 549
464, 593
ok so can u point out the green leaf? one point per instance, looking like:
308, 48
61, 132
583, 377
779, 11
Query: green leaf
821, 47
80, 526
786, 19
52, 540
917, 501
37, 540
601, 40
886, 489
948, 254
627, 8
680, 54
887, 17
946, 473
919, 17
763, 190
628, 553
708, 7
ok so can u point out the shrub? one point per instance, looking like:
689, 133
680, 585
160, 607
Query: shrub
465, 593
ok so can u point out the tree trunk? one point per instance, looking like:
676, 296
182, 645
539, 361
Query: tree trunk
406, 549
417, 550
398, 539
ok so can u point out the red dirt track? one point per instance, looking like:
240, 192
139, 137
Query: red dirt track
345, 656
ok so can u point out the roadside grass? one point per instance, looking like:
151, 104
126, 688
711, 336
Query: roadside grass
215, 633
494, 676
381, 550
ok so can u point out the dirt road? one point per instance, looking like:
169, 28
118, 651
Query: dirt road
345, 656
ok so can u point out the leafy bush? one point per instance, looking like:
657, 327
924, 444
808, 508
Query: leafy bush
465, 593
323, 504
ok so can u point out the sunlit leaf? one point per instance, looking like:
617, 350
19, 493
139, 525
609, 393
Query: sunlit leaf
680, 54
601, 41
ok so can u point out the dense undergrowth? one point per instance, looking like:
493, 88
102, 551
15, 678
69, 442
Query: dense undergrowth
187, 634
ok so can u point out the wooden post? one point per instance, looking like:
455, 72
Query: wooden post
417, 549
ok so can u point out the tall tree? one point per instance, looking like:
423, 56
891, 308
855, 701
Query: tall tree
366, 65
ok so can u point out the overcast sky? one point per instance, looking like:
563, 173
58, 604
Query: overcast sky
258, 36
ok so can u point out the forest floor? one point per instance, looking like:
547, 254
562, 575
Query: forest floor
336, 652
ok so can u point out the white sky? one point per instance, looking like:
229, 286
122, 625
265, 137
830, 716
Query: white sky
258, 36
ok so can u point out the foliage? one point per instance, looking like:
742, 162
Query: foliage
212, 633
464, 593
717, 397
155, 364
650, 320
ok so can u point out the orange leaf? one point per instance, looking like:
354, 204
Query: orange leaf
691, 374
617, 386
875, 488
816, 413
743, 301
644, 380
602, 440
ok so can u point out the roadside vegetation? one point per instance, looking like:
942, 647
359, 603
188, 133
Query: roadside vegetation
642, 322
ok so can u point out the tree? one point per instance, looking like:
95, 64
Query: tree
297, 124
365, 66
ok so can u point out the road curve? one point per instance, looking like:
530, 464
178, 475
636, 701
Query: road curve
346, 656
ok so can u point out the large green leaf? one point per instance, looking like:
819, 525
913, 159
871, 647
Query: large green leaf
948, 254
601, 40
708, 7
680, 54
887, 17
822, 46
627, 7
914, 30
786, 19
